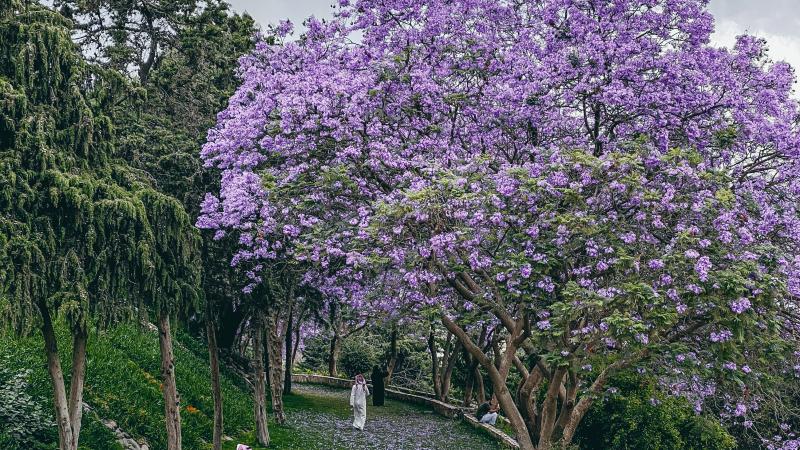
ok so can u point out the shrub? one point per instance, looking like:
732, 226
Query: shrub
315, 354
638, 418
358, 356
24, 422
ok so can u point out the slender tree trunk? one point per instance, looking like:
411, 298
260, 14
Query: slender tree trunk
471, 378
479, 387
568, 404
216, 390
435, 377
548, 416
296, 339
526, 399
77, 383
172, 411
392, 354
274, 341
287, 377
66, 439
468, 382
447, 375
259, 388
333, 356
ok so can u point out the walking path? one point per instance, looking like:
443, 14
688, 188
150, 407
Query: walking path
322, 416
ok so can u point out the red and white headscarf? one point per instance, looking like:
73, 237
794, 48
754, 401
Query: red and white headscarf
361, 382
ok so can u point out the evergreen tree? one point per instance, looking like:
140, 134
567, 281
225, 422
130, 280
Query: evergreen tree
183, 56
83, 235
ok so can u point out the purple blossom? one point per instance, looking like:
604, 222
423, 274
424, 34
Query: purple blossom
740, 305
721, 336
692, 254
702, 267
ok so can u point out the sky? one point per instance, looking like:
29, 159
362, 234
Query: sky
776, 20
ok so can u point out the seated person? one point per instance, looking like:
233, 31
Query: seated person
487, 411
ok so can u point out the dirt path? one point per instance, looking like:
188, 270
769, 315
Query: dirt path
323, 416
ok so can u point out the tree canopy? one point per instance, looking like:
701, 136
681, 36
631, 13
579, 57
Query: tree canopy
591, 178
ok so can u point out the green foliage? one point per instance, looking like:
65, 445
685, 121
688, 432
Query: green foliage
30, 403
315, 354
358, 356
83, 233
639, 418
24, 423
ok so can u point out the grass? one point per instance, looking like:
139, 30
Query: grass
123, 384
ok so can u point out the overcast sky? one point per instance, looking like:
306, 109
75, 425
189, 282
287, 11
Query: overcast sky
776, 20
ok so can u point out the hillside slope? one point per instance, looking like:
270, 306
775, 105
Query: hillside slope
122, 386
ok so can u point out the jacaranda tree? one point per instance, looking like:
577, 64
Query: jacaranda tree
591, 175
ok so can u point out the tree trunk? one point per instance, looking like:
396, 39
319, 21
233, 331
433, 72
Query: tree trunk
296, 339
392, 354
287, 377
66, 439
216, 390
259, 390
479, 387
172, 412
333, 356
500, 389
76, 384
548, 416
447, 374
526, 399
435, 378
468, 389
471, 378
274, 341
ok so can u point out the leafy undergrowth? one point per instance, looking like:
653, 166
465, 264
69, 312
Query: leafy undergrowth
123, 385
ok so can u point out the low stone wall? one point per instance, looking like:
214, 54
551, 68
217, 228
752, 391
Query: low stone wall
322, 379
504, 439
441, 408
419, 398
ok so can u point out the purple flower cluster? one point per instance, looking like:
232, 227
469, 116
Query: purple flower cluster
740, 305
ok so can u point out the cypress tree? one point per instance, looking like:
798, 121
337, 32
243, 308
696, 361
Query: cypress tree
83, 235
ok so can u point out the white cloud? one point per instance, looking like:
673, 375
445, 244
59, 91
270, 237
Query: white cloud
782, 47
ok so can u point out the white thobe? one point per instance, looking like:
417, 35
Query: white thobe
358, 400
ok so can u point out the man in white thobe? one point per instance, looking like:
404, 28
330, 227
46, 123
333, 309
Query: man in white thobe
358, 400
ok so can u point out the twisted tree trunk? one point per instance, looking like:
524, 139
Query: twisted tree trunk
172, 412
